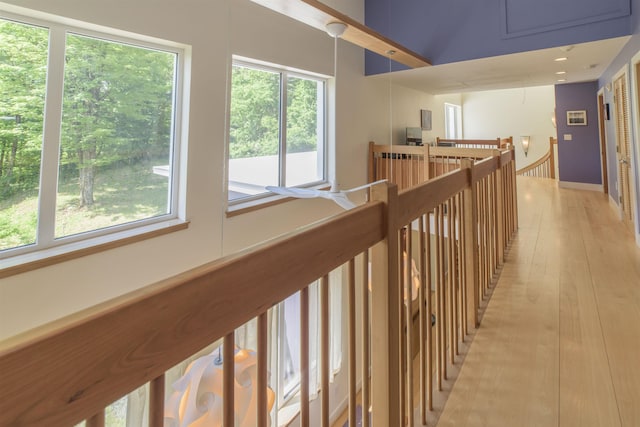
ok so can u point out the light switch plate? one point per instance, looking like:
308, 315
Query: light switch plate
567, 137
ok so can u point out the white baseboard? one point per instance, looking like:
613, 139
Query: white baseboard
580, 186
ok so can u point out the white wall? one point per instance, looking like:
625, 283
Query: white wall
404, 110
511, 112
215, 30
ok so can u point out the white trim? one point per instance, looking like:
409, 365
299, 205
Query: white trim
284, 72
580, 186
46, 243
625, 73
635, 148
34, 254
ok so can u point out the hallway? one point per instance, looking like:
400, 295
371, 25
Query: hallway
559, 343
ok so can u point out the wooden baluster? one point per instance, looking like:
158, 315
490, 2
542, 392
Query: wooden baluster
96, 421
450, 294
156, 402
463, 261
443, 294
422, 323
409, 321
483, 242
403, 321
439, 349
470, 247
305, 372
385, 303
365, 364
515, 195
460, 264
351, 290
324, 351
262, 384
499, 209
429, 310
228, 381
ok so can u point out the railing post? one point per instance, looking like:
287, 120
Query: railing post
385, 319
498, 191
552, 159
515, 190
427, 165
471, 246
156, 402
372, 164
97, 420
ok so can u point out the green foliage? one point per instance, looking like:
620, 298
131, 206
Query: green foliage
116, 124
302, 115
255, 112
123, 195
23, 62
117, 105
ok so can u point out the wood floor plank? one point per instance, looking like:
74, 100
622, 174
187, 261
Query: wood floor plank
559, 343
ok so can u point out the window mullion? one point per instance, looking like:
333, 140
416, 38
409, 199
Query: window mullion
51, 137
282, 151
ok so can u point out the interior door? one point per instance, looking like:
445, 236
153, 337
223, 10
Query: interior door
623, 148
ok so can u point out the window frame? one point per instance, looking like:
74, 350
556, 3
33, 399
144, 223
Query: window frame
257, 201
47, 249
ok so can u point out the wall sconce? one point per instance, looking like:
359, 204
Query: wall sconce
524, 140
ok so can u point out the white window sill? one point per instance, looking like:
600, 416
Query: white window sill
240, 207
45, 257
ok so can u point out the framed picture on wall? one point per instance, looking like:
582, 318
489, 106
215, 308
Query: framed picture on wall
425, 119
577, 118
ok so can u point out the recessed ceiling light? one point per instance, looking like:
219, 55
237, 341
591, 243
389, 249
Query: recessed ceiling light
561, 72
562, 58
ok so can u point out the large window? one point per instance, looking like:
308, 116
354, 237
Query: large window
277, 129
87, 133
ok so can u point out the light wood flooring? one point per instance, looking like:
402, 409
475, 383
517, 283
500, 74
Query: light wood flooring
559, 343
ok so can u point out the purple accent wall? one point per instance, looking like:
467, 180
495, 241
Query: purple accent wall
456, 30
578, 159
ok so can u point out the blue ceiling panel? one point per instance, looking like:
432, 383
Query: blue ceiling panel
447, 31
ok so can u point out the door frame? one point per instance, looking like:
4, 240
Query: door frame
635, 98
632, 121
603, 142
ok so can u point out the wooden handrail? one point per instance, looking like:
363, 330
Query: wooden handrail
483, 142
544, 167
94, 357
71, 369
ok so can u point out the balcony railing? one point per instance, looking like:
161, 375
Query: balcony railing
454, 228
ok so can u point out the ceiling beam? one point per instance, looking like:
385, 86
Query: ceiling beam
317, 14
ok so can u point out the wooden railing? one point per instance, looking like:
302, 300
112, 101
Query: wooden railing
454, 227
545, 166
407, 166
498, 143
